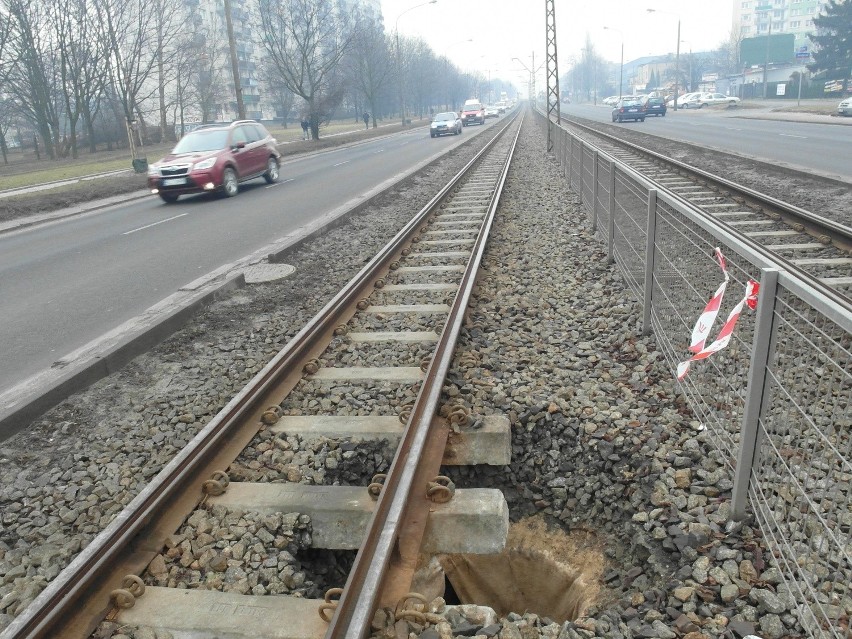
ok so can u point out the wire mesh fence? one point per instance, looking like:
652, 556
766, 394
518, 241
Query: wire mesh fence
775, 402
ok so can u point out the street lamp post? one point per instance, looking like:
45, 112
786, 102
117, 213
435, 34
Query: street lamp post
621, 68
399, 57
677, 52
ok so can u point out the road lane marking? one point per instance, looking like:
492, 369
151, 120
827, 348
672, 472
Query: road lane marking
147, 226
732, 128
789, 135
342, 163
273, 185
379, 151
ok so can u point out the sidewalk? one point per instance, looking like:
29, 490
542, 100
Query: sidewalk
772, 110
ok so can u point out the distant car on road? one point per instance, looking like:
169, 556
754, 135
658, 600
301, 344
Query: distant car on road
445, 123
216, 159
705, 99
611, 100
845, 107
628, 109
655, 106
492, 112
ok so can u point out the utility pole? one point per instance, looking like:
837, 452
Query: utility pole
553, 105
241, 108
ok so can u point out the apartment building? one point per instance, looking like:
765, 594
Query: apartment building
211, 15
762, 17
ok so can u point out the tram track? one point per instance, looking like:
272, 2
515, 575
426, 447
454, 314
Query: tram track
419, 250
818, 248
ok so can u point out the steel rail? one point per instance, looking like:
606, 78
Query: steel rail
815, 223
357, 605
757, 252
57, 607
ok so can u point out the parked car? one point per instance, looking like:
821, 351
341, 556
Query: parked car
845, 107
473, 112
444, 123
705, 99
216, 159
628, 109
492, 112
655, 106
681, 99
691, 102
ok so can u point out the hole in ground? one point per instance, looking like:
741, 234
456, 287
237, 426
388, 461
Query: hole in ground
546, 572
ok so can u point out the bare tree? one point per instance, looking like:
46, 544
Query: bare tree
136, 32
82, 65
421, 66
305, 41
8, 55
33, 77
370, 62
7, 106
8, 112
277, 92
169, 24
210, 80
726, 57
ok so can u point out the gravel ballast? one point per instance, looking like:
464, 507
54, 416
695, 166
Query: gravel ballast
602, 442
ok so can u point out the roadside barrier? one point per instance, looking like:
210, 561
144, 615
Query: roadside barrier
775, 403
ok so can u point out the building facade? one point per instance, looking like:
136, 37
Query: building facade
209, 15
763, 17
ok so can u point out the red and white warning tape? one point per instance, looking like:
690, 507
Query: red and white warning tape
705, 322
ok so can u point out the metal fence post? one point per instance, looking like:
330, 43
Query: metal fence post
610, 231
570, 162
756, 388
595, 192
649, 261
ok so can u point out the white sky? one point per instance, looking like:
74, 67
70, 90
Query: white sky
503, 29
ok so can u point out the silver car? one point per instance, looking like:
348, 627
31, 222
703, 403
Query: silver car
445, 123
716, 98
845, 107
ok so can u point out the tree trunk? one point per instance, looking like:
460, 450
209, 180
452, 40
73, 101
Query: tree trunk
3, 149
88, 122
161, 81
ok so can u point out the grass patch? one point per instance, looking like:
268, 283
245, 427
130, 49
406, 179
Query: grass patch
12, 208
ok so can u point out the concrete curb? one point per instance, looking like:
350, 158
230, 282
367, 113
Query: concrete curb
86, 207
77, 370
105, 355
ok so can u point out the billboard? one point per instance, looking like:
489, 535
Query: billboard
753, 51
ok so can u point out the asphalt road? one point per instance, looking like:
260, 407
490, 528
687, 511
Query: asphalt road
65, 283
804, 145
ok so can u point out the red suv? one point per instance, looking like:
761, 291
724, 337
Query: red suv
216, 158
